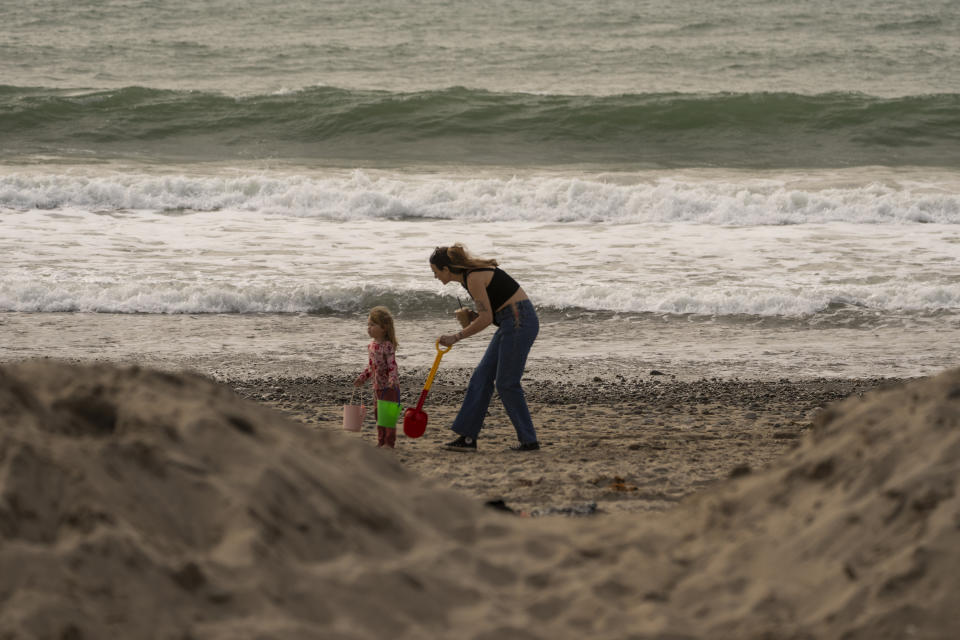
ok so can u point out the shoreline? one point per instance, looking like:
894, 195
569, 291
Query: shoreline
258, 346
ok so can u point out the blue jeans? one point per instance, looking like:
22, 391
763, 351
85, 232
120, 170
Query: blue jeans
502, 367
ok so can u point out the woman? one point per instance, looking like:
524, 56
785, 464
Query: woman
501, 301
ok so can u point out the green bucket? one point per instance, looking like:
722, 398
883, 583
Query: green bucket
388, 412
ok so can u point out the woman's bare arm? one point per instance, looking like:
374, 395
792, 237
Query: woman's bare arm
477, 285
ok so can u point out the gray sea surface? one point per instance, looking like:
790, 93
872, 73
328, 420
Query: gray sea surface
878, 47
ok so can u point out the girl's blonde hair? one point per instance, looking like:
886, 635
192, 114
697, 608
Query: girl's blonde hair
381, 316
458, 259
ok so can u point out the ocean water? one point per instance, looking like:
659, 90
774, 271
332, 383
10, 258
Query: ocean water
738, 164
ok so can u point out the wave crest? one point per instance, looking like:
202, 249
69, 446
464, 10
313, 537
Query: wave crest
360, 195
459, 125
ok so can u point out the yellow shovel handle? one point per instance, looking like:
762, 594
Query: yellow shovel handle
436, 363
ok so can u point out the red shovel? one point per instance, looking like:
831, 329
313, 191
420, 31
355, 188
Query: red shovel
415, 420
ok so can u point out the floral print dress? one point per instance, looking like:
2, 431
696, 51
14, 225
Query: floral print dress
382, 367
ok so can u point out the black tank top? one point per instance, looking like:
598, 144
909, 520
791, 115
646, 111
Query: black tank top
501, 286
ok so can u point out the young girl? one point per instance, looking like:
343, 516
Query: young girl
382, 367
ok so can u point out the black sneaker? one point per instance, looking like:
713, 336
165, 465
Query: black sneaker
526, 446
463, 443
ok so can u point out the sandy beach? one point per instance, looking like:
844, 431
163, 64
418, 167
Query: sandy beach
632, 429
185, 476
140, 503
608, 446
171, 491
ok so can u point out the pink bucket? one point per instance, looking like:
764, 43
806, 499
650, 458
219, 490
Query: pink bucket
353, 414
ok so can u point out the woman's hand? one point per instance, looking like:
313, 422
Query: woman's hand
448, 340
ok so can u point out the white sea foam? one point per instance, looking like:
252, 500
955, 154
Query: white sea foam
729, 200
243, 260
214, 297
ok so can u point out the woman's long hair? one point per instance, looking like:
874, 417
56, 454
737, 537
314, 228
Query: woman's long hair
458, 259
381, 316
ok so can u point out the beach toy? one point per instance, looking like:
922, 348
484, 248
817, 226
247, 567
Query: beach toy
388, 412
353, 414
415, 420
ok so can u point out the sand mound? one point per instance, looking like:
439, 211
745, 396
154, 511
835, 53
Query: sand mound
140, 504
856, 534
